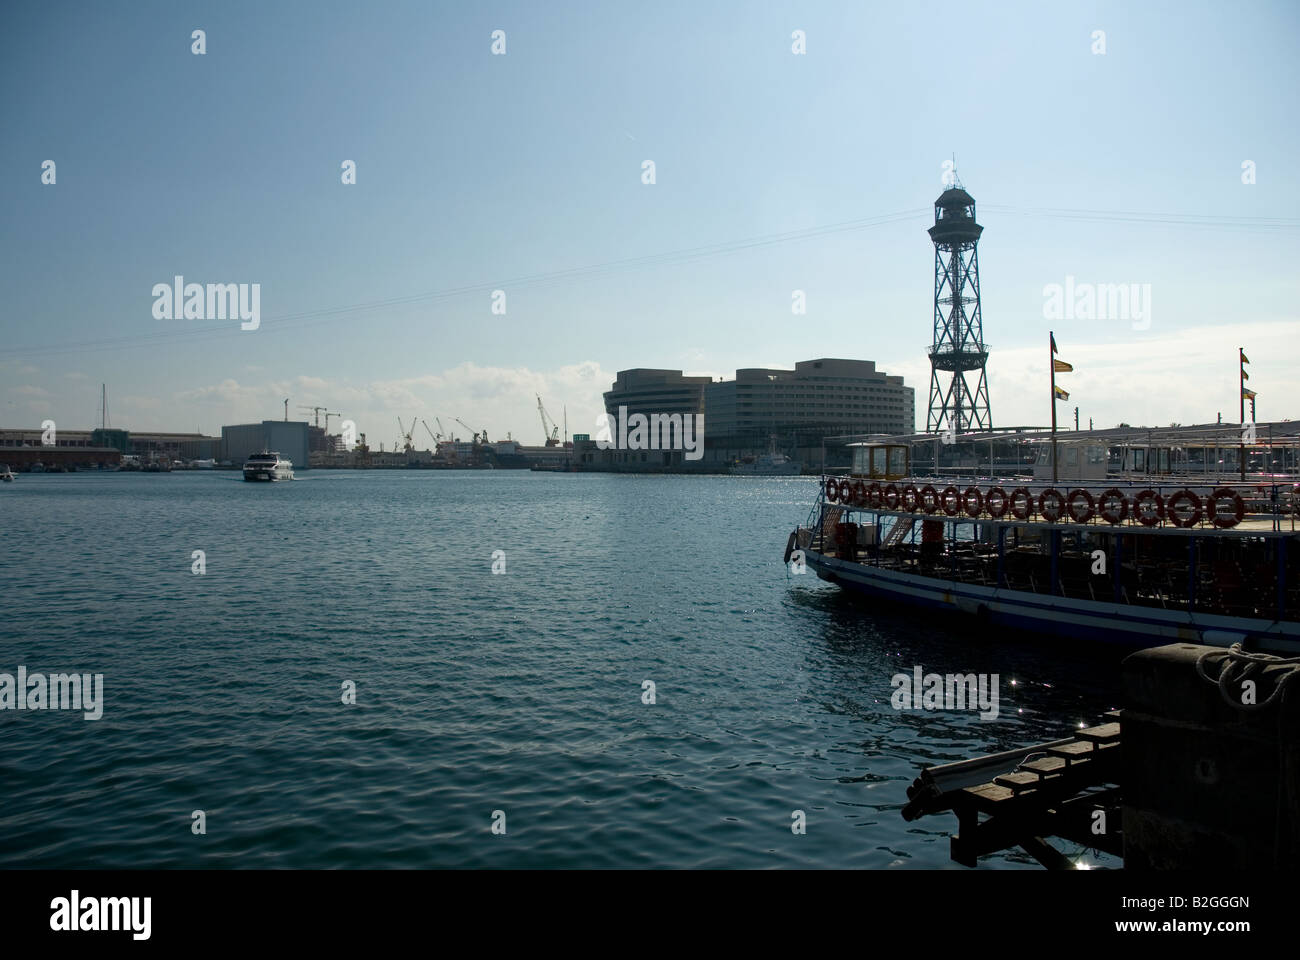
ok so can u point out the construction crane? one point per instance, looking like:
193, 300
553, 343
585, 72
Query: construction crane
327, 420
432, 436
549, 427
314, 410
441, 432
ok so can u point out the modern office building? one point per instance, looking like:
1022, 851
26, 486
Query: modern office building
801, 407
289, 438
656, 391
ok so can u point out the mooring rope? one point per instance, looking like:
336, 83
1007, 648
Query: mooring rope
1236, 659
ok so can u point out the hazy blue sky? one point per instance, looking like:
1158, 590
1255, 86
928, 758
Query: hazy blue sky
475, 170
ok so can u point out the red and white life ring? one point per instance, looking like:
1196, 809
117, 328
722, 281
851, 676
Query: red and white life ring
1181, 518
845, 491
1021, 502
1149, 518
1113, 506
995, 501
1051, 504
929, 498
873, 496
972, 501
911, 498
950, 500
891, 497
832, 489
1071, 506
858, 493
1220, 518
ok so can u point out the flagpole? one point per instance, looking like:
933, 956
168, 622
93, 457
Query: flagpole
1051, 362
1241, 400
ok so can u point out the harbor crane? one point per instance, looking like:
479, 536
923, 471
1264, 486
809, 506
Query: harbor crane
408, 446
549, 427
435, 437
478, 438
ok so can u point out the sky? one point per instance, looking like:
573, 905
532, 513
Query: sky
523, 172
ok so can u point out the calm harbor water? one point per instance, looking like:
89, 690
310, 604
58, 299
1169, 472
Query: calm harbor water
476, 692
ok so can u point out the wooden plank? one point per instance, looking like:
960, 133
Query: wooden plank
988, 796
1019, 782
1072, 752
1045, 766
1104, 733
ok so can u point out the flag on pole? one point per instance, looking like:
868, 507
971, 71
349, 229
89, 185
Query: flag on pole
1061, 394
1245, 375
1052, 336
1060, 366
1244, 359
1247, 394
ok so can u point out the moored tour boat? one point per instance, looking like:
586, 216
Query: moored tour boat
1137, 563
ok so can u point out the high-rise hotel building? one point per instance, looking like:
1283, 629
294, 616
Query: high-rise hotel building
799, 407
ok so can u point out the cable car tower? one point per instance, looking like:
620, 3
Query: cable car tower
959, 348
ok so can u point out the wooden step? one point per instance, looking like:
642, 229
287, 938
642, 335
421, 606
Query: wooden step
1073, 752
1019, 782
1103, 733
1045, 766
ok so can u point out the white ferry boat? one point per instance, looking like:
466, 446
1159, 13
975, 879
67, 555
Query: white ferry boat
770, 464
1141, 562
268, 466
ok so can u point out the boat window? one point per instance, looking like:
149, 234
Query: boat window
878, 458
897, 461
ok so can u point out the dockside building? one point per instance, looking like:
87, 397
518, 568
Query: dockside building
798, 407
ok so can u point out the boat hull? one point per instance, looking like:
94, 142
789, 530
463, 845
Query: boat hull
1127, 625
267, 474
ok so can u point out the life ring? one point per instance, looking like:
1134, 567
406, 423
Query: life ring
844, 491
832, 489
911, 498
929, 498
1073, 499
1021, 503
1113, 506
972, 501
1174, 516
1051, 504
873, 496
859, 493
995, 501
1151, 518
891, 497
1222, 519
950, 500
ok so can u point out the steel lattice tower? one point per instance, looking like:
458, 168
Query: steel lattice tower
959, 346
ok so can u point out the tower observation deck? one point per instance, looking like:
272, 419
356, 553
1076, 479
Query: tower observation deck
959, 349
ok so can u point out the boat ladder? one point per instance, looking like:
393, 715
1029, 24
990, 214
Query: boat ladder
899, 531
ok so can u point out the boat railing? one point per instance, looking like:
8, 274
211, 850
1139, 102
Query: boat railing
1152, 503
